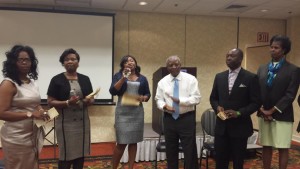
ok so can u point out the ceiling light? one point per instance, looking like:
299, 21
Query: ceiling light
143, 3
264, 10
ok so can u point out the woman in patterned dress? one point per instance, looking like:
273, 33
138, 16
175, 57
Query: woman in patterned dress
129, 120
68, 92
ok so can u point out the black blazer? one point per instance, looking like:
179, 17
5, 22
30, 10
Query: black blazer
244, 97
59, 86
283, 91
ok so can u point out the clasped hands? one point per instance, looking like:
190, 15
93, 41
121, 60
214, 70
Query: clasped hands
227, 113
266, 114
40, 113
142, 98
75, 100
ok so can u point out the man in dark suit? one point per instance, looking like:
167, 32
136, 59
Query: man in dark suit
235, 94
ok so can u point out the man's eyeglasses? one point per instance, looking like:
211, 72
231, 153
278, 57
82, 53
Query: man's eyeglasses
21, 60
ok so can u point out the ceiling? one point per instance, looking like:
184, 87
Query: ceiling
277, 9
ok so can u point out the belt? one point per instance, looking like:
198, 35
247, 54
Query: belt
180, 115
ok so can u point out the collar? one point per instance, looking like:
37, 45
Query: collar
237, 70
178, 77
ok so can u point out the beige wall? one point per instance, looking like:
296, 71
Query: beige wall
200, 41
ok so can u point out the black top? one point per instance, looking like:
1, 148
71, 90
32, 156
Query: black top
59, 87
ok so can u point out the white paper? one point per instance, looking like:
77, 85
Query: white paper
52, 113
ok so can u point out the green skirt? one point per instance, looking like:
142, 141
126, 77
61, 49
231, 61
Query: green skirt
277, 134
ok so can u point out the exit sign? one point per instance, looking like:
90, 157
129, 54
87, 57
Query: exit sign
262, 37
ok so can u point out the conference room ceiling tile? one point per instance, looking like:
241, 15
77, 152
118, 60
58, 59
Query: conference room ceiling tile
175, 6
38, 2
108, 4
73, 3
206, 7
133, 5
277, 9
9, 1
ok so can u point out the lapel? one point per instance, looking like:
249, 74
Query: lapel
224, 81
280, 72
237, 81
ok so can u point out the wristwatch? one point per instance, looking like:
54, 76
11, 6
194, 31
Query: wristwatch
29, 114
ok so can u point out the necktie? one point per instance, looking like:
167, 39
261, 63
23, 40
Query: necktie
176, 95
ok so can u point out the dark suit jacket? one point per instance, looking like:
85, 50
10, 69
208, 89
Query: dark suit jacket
59, 86
283, 91
244, 97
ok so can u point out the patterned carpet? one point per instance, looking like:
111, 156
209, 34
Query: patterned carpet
104, 162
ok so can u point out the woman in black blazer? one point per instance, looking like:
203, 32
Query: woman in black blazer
279, 82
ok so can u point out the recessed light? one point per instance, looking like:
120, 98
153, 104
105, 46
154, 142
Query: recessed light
143, 3
264, 10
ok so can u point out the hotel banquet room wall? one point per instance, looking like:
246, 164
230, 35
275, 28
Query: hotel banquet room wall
200, 41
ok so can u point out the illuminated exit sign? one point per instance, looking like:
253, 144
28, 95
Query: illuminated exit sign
262, 37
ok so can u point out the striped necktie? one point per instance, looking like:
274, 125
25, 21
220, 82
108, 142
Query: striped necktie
176, 95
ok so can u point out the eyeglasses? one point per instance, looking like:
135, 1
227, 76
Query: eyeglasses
21, 60
70, 59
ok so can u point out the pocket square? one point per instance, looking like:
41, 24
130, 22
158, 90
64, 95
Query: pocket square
242, 85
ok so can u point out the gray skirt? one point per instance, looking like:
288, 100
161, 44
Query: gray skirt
129, 124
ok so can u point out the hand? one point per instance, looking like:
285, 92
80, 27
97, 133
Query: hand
268, 118
267, 112
142, 98
126, 72
41, 114
168, 109
74, 100
88, 101
230, 114
220, 109
174, 99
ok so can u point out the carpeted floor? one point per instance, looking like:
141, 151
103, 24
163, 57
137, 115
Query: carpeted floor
104, 162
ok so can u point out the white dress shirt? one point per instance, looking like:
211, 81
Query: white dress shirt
189, 94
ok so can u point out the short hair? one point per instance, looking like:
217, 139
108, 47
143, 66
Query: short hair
284, 41
10, 64
66, 53
124, 59
175, 57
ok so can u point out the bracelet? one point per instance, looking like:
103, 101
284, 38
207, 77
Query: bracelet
67, 102
238, 113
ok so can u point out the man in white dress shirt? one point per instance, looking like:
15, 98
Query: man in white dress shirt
179, 113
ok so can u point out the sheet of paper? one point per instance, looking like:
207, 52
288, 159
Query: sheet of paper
94, 93
222, 115
52, 113
130, 100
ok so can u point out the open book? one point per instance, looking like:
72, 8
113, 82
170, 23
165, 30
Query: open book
52, 113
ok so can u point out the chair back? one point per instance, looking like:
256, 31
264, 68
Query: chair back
208, 121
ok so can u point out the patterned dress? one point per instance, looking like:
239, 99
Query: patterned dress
73, 129
129, 120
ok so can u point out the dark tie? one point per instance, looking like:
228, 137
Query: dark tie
176, 95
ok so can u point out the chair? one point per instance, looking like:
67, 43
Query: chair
208, 123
